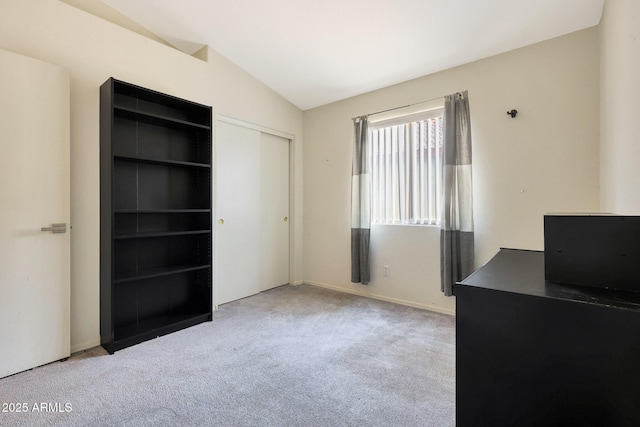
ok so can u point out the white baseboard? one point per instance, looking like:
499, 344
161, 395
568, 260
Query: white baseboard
382, 298
298, 283
84, 345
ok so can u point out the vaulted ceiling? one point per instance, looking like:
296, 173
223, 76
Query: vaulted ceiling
314, 52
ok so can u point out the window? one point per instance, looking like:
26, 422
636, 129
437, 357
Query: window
406, 167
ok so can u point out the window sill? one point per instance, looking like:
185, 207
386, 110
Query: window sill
378, 224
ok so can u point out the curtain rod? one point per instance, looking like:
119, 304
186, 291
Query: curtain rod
404, 106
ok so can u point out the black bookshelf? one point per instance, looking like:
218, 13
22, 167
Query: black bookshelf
155, 214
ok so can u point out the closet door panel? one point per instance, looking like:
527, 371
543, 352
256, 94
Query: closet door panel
237, 265
252, 210
274, 229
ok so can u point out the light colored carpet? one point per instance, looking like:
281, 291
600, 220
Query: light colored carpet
291, 356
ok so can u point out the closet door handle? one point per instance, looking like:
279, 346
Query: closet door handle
221, 221
56, 228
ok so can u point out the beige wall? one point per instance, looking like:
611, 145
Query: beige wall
94, 50
545, 160
620, 109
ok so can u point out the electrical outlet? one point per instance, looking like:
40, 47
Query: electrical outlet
386, 271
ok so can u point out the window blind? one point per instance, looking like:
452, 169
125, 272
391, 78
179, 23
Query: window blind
406, 162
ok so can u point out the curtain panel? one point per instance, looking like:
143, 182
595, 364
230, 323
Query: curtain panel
456, 222
360, 203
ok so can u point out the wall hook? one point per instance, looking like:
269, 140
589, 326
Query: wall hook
512, 113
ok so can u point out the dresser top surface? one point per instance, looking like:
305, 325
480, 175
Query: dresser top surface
522, 272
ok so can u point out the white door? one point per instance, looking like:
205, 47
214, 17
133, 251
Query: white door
34, 193
237, 263
274, 226
252, 212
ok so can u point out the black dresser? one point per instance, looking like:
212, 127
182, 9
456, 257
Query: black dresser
536, 353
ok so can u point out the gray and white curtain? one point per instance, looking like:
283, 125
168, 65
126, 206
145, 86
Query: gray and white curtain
456, 222
360, 203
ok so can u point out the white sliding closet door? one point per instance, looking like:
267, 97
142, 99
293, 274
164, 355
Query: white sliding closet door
274, 229
34, 193
252, 212
237, 262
